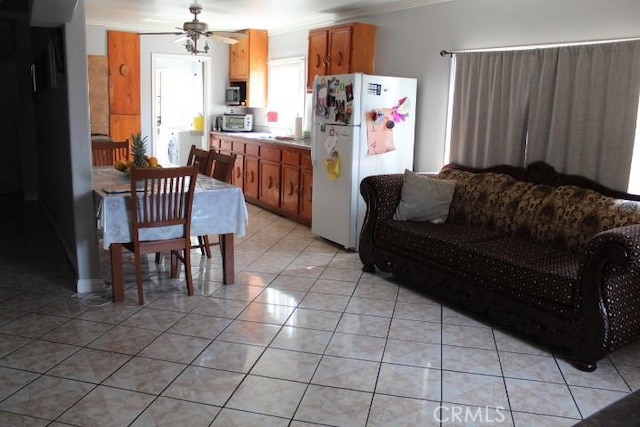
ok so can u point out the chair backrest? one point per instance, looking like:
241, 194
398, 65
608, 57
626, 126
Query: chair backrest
203, 158
223, 166
162, 197
107, 153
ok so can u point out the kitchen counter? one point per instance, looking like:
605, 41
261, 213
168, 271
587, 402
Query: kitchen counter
268, 137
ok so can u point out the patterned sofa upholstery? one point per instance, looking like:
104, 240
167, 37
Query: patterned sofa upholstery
553, 256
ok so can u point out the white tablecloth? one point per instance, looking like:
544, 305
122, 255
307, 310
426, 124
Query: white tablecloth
218, 208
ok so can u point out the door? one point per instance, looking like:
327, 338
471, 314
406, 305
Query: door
339, 50
317, 64
251, 177
124, 84
239, 60
290, 188
181, 92
306, 191
335, 184
270, 183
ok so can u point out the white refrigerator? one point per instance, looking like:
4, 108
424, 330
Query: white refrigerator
362, 125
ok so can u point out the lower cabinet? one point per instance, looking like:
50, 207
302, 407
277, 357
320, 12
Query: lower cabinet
306, 190
251, 177
275, 176
290, 188
270, 183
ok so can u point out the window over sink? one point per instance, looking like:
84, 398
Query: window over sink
286, 94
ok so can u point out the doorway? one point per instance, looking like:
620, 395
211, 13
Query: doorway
180, 108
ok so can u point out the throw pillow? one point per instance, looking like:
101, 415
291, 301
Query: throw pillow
424, 198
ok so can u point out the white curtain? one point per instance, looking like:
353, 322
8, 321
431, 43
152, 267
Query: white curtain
584, 109
491, 107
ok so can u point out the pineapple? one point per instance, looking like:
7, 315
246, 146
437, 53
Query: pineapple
139, 150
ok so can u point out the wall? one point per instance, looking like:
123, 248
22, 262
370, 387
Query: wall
409, 42
64, 153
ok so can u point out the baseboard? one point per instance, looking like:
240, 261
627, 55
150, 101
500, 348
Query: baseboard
90, 285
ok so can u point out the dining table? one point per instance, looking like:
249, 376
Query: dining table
218, 208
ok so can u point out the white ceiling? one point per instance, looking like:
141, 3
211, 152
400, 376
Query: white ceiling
230, 15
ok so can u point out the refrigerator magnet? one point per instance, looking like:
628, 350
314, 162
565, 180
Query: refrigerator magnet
332, 165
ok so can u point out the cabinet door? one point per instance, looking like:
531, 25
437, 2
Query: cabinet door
306, 190
251, 177
339, 50
238, 172
317, 59
290, 188
270, 183
239, 60
214, 142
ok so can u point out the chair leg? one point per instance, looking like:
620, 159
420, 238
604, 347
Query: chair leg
174, 265
139, 277
207, 246
187, 271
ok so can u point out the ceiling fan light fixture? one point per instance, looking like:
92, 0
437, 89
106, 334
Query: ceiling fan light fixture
193, 30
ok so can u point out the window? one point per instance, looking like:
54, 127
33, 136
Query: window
286, 93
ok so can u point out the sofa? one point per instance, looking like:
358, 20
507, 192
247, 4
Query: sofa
549, 256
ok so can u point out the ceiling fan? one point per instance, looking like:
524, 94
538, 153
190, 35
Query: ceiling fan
193, 30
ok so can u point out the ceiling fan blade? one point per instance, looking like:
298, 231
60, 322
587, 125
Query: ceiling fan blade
232, 34
228, 37
161, 34
180, 39
223, 39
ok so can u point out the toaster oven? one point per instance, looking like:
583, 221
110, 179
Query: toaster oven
237, 122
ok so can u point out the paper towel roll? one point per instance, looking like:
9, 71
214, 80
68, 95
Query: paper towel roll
297, 132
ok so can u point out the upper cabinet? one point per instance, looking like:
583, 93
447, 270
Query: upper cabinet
342, 49
248, 66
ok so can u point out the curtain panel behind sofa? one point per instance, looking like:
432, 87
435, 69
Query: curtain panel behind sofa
584, 108
574, 107
491, 107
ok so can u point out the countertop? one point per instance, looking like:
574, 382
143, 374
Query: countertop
268, 137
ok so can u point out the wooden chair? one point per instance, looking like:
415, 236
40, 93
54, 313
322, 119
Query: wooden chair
222, 165
203, 158
105, 153
162, 198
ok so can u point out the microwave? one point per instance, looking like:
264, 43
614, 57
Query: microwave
233, 96
237, 123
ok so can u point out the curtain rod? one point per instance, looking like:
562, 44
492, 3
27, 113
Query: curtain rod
444, 52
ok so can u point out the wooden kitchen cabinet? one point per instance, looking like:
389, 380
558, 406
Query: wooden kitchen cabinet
306, 187
239, 60
248, 66
270, 183
341, 49
277, 177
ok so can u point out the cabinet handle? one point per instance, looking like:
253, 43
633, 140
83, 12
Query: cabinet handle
327, 59
269, 182
339, 61
251, 176
319, 61
291, 188
238, 172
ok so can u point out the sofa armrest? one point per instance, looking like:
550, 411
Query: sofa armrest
611, 280
381, 194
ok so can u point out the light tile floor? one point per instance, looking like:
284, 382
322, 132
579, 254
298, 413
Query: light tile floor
302, 338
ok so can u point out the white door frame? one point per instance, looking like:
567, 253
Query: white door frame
207, 98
